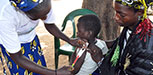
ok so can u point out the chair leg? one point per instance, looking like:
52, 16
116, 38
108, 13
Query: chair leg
56, 60
69, 58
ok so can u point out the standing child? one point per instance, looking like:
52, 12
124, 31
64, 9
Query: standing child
88, 28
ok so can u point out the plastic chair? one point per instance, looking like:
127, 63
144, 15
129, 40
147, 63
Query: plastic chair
67, 49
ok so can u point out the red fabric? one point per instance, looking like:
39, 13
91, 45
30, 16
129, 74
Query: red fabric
144, 28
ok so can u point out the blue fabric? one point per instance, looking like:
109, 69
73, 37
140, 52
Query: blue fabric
96, 72
4, 71
32, 51
25, 5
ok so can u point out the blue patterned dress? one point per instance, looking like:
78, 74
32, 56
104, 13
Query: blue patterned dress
31, 50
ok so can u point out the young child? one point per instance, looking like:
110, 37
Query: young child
88, 28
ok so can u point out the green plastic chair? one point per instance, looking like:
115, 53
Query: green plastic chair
67, 49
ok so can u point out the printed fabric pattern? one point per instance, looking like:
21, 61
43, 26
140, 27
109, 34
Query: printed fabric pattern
32, 51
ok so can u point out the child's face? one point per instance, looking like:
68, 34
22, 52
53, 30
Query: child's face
82, 34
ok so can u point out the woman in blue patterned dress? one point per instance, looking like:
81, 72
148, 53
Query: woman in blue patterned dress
18, 40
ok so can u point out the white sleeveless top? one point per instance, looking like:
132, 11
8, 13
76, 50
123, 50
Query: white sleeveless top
89, 65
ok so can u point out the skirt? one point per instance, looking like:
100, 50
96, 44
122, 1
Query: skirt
32, 51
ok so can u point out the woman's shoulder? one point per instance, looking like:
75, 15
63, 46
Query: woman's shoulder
3, 2
7, 10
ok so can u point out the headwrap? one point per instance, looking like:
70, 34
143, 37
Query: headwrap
25, 5
137, 4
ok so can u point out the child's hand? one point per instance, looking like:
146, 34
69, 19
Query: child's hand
96, 53
71, 69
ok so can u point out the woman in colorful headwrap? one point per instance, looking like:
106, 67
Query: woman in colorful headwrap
18, 40
132, 52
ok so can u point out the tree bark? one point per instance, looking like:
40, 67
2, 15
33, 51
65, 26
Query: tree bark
105, 12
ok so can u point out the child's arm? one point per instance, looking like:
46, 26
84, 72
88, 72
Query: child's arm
96, 53
71, 61
73, 56
78, 63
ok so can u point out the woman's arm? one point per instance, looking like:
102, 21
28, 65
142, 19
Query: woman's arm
54, 30
25, 63
109, 43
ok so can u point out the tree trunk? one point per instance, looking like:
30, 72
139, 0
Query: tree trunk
105, 12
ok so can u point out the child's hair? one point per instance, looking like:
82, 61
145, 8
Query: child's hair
90, 23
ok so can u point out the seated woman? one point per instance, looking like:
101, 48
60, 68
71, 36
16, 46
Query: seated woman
132, 51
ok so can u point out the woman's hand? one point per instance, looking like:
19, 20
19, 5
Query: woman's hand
65, 70
77, 42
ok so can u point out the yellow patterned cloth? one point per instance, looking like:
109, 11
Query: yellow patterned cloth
137, 4
31, 50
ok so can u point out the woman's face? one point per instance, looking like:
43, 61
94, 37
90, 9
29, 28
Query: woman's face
125, 16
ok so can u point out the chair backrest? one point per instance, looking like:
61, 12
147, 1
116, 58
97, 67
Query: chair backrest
71, 16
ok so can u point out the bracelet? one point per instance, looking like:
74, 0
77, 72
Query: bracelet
55, 72
100, 62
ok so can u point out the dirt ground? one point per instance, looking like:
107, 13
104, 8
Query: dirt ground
61, 9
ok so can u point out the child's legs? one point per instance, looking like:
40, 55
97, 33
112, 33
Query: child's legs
30, 50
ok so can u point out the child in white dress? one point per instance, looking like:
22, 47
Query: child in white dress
88, 28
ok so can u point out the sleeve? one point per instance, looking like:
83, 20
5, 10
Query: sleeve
105, 49
102, 45
50, 17
9, 37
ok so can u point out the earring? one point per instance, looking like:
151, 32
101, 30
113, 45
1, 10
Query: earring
139, 17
